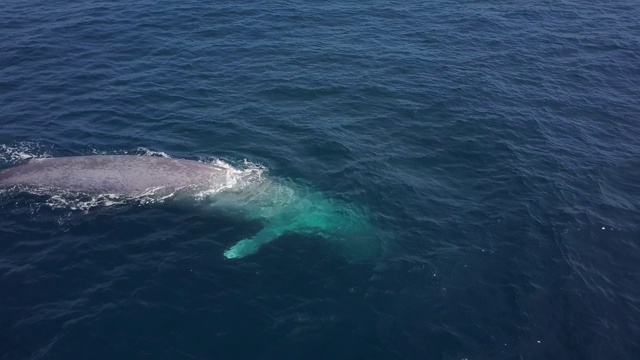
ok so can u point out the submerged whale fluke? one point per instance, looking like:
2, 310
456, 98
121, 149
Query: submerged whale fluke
281, 206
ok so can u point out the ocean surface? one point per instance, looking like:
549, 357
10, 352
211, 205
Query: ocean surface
495, 143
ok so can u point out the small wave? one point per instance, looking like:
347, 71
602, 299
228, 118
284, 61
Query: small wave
19, 152
143, 151
140, 151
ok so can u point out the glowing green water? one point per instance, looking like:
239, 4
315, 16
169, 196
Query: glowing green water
290, 208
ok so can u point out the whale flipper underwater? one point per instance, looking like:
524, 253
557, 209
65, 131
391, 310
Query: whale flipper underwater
281, 207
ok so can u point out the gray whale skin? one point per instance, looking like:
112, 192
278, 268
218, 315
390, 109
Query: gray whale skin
282, 207
113, 174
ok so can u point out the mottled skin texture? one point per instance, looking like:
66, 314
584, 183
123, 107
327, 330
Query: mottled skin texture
113, 174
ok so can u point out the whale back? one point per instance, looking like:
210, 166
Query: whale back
113, 174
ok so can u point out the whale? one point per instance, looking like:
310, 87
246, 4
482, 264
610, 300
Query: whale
281, 206
113, 174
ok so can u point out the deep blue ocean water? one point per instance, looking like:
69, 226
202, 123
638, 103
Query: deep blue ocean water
496, 141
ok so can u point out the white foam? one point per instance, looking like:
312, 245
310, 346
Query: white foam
140, 151
235, 178
22, 151
83, 203
95, 151
147, 152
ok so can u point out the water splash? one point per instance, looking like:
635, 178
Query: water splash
143, 151
22, 151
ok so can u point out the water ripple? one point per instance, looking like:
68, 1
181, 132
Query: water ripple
496, 140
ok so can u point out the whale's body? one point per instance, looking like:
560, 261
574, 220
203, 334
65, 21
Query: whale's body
113, 174
281, 207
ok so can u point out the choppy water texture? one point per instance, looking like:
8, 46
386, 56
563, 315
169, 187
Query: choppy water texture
497, 141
